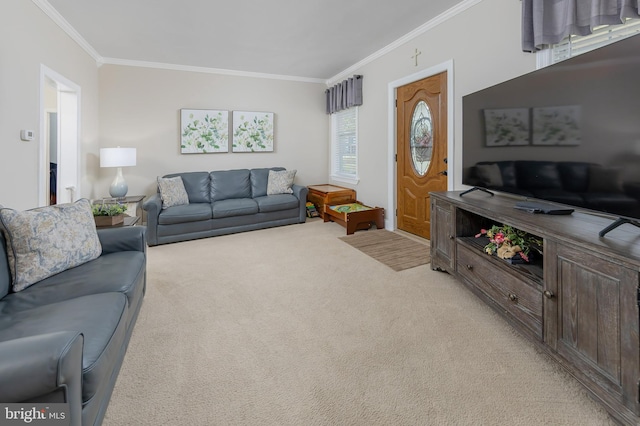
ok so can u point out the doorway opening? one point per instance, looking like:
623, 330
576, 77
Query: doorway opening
59, 163
447, 68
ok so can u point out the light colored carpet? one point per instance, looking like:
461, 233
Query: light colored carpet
394, 250
290, 326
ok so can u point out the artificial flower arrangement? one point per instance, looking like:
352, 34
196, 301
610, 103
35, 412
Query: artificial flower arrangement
508, 242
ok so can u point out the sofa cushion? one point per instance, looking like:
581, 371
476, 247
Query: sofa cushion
575, 176
196, 184
101, 318
234, 207
193, 212
538, 174
230, 184
172, 192
274, 203
92, 277
280, 182
259, 179
605, 179
48, 240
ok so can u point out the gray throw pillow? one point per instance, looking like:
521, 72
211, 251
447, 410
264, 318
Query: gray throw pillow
280, 182
489, 174
172, 192
48, 240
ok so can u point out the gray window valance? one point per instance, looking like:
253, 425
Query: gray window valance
546, 22
344, 95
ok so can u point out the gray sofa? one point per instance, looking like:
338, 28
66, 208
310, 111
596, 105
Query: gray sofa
63, 339
223, 202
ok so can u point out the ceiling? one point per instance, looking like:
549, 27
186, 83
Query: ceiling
311, 39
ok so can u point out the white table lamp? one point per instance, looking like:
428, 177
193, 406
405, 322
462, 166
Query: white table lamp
118, 157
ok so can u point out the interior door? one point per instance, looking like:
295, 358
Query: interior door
421, 150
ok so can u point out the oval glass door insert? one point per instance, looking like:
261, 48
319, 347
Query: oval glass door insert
421, 140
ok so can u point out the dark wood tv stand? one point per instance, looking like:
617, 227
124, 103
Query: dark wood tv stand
579, 305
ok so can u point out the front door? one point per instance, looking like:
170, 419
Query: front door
421, 150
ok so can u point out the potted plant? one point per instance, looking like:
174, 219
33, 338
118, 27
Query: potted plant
109, 214
510, 243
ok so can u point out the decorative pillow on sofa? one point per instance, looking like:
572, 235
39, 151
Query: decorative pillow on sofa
280, 182
172, 192
489, 174
48, 240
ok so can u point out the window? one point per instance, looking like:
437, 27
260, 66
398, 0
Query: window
344, 145
601, 36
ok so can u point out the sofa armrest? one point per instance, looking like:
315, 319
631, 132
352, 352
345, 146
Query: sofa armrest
126, 238
35, 366
153, 207
301, 193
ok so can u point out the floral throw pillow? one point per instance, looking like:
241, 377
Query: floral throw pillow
280, 182
48, 240
172, 192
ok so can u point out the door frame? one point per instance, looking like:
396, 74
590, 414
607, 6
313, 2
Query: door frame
392, 201
71, 122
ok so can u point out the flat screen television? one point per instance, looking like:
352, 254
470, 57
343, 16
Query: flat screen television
568, 133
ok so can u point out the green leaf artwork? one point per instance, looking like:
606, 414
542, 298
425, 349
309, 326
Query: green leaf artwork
252, 131
204, 131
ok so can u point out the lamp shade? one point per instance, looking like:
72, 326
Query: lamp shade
117, 157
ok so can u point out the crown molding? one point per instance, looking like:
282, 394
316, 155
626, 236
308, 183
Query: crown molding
174, 67
52, 13
443, 17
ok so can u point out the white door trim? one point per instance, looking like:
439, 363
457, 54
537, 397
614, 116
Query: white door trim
391, 219
63, 85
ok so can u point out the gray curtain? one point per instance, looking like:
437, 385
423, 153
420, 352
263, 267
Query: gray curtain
344, 95
546, 22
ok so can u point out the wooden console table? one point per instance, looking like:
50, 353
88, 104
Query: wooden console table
580, 305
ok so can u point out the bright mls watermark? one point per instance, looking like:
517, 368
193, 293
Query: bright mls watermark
39, 414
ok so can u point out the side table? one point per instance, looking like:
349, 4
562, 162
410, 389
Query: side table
329, 194
128, 221
133, 202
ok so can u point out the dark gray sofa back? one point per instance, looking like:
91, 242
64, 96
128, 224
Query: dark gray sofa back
259, 180
196, 184
5, 273
229, 184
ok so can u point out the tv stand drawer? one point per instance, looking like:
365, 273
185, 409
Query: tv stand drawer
518, 297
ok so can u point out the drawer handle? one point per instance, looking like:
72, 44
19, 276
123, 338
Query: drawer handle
470, 267
548, 294
451, 237
513, 297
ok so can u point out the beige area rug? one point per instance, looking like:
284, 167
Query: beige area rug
290, 326
394, 250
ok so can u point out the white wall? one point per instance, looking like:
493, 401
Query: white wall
483, 42
28, 38
140, 107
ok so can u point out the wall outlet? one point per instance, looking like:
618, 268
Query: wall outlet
26, 135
